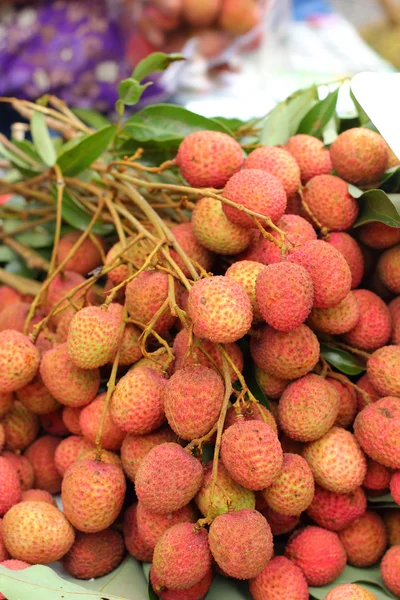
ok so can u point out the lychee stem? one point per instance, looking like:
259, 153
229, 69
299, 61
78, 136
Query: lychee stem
60, 185
324, 230
352, 350
343, 379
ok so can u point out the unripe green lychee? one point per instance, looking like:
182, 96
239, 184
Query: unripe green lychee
90, 419
209, 158
41, 454
279, 578
348, 247
94, 554
359, 155
377, 429
338, 319
310, 154
336, 511
21, 427
135, 447
19, 360
373, 328
365, 540
278, 162
328, 198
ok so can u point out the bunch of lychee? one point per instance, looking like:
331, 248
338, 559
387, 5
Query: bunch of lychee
267, 268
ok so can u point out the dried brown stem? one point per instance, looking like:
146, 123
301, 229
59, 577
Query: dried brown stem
352, 350
23, 285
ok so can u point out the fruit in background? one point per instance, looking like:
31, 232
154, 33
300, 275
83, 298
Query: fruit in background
388, 269
19, 360
379, 236
377, 429
365, 540
350, 591
338, 319
337, 511
239, 16
94, 554
200, 14
390, 569
352, 253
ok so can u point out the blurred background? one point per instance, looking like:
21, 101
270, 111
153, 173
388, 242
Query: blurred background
242, 55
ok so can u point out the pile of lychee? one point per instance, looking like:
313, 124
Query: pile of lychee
116, 402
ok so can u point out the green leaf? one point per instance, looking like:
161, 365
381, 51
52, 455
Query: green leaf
91, 117
42, 140
283, 121
18, 266
158, 61
72, 143
319, 116
29, 149
39, 237
168, 123
391, 180
75, 160
152, 594
130, 91
340, 359
370, 578
231, 124
376, 205
6, 254
74, 214
381, 502
153, 154
18, 162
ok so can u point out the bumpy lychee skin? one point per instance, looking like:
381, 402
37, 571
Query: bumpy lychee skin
20, 426
6, 402
41, 455
377, 429
292, 490
87, 257
168, 478
350, 591
38, 496
280, 524
338, 319
271, 385
390, 569
209, 158
199, 590
19, 360
348, 402
8, 296
14, 317
284, 293
395, 486
255, 412
246, 273
70, 416
37, 533
10, 488
337, 461
67, 452
189, 243
370, 394
23, 468
359, 155
107, 457
348, 247
258, 191
134, 542
151, 526
66, 382
181, 556
377, 478
388, 269
241, 543
90, 419
37, 398
379, 236
130, 345
228, 495
135, 447
278, 162
337, 511
365, 540
285, 354
220, 309
279, 578
373, 328
328, 198
391, 518
4, 555
310, 154
60, 286
192, 401
252, 454
94, 554
318, 552
328, 269
136, 403
308, 408
215, 231
298, 231
93, 337
92, 494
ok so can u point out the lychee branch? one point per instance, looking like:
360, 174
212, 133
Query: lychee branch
352, 350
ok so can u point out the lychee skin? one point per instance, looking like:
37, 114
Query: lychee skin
365, 540
390, 569
209, 158
336, 460
328, 198
373, 328
388, 269
10, 489
328, 269
19, 360
280, 524
310, 154
94, 554
395, 486
246, 273
252, 454
220, 309
136, 404
90, 419
371, 394
37, 533
61, 285
308, 408
359, 155
382, 370
87, 257
350, 591
195, 592
284, 293
278, 162
298, 231
292, 490
337, 511
338, 319
348, 247
67, 452
377, 478
189, 243
70, 416
285, 354
318, 552
4, 555
241, 543
135, 447
134, 542
377, 429
41, 454
92, 495
181, 556
67, 383
6, 402
255, 412
391, 518
93, 337
272, 386
192, 401
20, 426
53, 424
258, 191
37, 398
348, 402
151, 526
379, 236
39, 496
23, 468
168, 478
215, 231
279, 578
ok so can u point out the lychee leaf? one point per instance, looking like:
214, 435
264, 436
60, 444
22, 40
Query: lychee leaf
152, 594
370, 578
315, 121
91, 117
75, 215
42, 139
391, 180
376, 205
341, 359
75, 160
157, 61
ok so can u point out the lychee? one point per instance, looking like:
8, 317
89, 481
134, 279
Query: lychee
135, 254
70, 416
348, 401
90, 419
310, 154
209, 158
280, 524
395, 486
86, 258
168, 478
318, 552
53, 424
135, 447
6, 402
391, 518
328, 198
292, 490
350, 591
62, 285
37, 398
14, 316
373, 328
10, 487
38, 495
377, 478
239, 16
106, 457
359, 155
20, 426
94, 554
253, 412
337, 511
19, 360
365, 540
370, 394
241, 543
351, 251
390, 569
134, 543
279, 578
4, 555
41, 454
278, 162
338, 319
151, 526
189, 243
246, 273
388, 269
377, 429
195, 592
298, 231
23, 468
8, 296
379, 236
271, 385
68, 451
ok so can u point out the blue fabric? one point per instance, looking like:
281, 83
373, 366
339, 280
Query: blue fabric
304, 9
